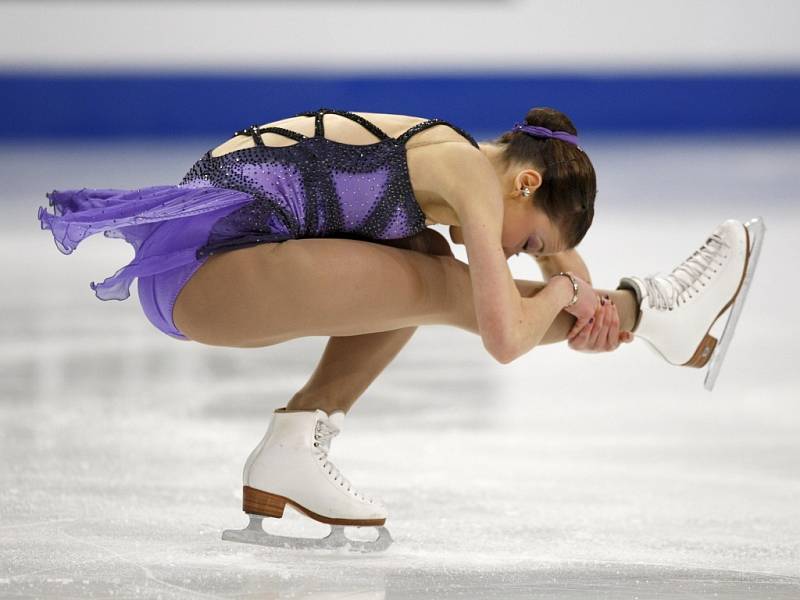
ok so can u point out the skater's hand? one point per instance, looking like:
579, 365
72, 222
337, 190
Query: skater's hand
602, 333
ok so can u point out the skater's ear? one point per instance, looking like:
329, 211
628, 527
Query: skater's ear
527, 179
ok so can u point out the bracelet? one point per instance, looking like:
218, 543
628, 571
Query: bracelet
574, 287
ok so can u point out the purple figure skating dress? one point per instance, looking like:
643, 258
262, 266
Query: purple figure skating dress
314, 188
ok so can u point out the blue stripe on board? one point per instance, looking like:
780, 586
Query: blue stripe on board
101, 105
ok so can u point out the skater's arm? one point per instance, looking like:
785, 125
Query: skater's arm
568, 260
509, 325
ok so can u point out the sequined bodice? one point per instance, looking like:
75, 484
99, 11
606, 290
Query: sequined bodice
315, 188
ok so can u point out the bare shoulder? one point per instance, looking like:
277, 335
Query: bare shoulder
460, 174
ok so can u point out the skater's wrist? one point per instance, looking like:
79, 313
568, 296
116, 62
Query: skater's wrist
568, 287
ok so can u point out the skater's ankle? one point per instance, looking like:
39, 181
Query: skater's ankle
310, 403
628, 308
636, 311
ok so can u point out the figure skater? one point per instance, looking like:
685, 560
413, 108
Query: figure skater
316, 225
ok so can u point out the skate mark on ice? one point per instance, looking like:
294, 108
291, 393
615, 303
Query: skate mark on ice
148, 573
36, 524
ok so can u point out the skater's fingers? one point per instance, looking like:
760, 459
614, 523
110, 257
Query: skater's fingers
579, 328
590, 338
578, 341
599, 321
600, 339
580, 325
601, 343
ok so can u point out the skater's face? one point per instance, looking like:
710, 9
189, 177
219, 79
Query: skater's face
526, 228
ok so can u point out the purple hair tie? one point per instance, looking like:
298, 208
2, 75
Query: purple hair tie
544, 132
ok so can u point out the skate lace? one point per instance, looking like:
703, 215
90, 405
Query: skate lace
323, 435
667, 291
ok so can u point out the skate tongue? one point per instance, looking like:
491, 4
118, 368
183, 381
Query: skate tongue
335, 419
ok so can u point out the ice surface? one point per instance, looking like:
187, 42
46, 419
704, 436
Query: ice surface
561, 474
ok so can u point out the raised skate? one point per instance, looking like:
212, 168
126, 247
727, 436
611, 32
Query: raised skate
290, 466
755, 230
679, 310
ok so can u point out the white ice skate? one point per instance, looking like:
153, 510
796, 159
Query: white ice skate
678, 310
290, 466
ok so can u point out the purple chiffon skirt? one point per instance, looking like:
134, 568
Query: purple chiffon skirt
166, 225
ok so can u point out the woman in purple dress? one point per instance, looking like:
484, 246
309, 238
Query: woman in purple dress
316, 225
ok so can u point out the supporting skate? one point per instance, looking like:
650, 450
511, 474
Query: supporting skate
677, 311
254, 534
291, 461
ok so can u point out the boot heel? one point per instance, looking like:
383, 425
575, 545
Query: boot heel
703, 353
256, 502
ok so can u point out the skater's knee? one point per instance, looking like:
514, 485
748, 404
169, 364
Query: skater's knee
433, 242
427, 241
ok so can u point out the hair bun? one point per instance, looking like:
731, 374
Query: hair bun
551, 118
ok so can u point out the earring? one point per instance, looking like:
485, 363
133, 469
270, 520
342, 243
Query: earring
525, 192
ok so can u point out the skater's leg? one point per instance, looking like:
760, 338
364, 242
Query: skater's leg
347, 368
350, 364
272, 293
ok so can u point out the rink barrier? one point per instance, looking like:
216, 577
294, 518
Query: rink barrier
71, 104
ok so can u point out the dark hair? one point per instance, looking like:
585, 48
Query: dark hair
569, 183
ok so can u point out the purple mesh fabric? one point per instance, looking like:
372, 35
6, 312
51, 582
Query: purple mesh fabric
360, 193
139, 217
158, 292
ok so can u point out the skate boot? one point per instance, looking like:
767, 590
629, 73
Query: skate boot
678, 310
290, 466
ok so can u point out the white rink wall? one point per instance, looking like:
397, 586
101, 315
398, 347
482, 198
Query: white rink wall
615, 35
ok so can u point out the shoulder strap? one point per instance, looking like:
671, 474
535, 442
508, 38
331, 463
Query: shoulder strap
406, 135
255, 131
319, 128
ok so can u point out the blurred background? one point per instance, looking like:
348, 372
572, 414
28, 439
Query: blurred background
562, 473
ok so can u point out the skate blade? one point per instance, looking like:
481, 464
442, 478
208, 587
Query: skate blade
254, 534
756, 230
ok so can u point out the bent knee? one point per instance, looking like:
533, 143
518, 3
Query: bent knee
432, 242
427, 241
